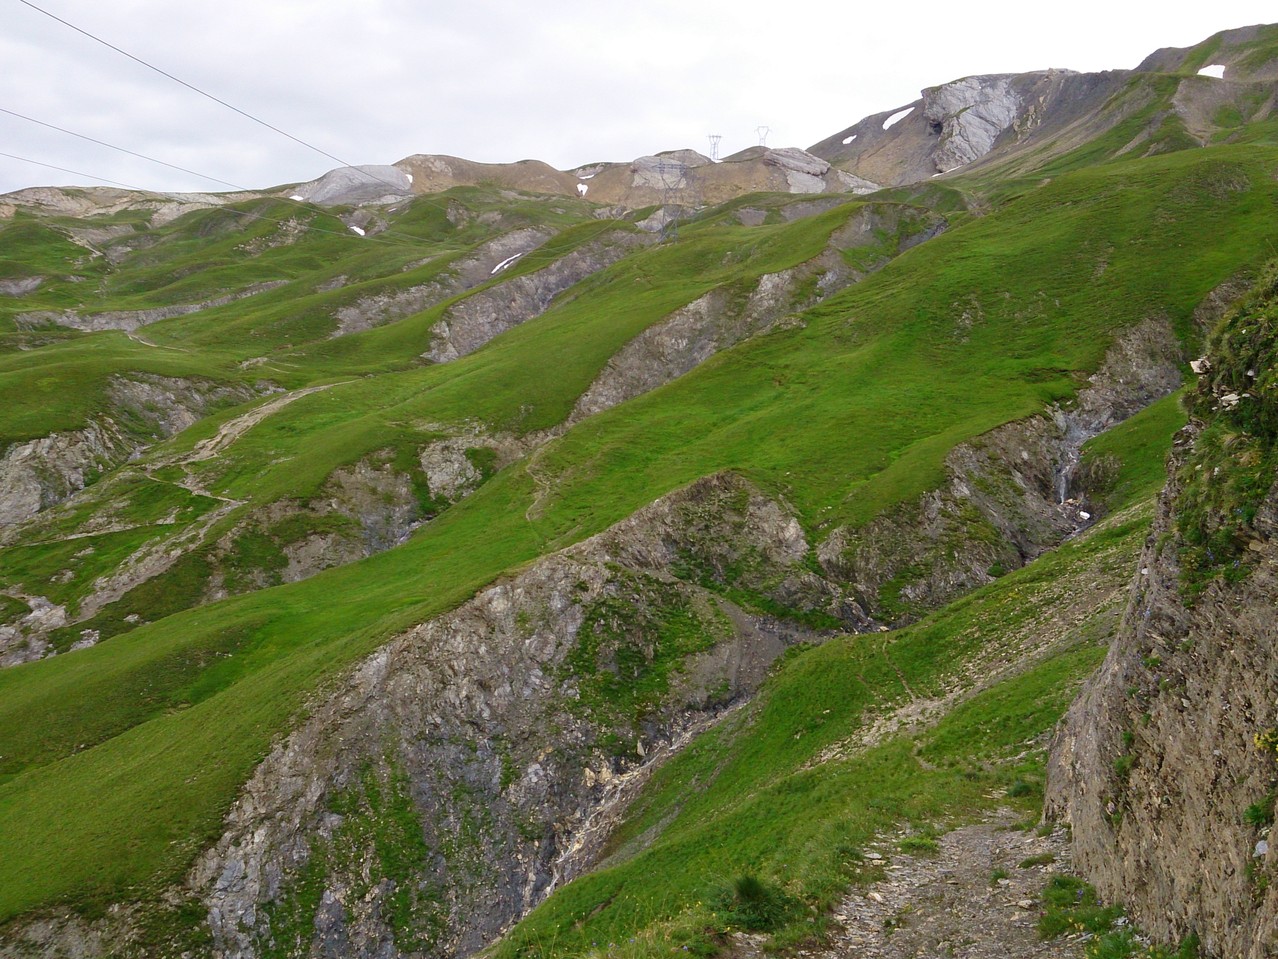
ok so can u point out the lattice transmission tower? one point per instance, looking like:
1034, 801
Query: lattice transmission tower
672, 182
714, 139
763, 135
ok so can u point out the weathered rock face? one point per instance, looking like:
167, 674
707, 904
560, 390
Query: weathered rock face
463, 274
472, 322
484, 743
1009, 495
1167, 764
38, 473
1157, 761
357, 184
968, 120
41, 472
972, 114
20, 285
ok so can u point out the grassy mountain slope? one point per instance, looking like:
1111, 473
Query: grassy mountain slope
120, 759
119, 762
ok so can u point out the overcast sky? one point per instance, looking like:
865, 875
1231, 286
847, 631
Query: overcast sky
372, 81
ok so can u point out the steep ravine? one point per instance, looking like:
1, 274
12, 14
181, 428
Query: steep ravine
1008, 496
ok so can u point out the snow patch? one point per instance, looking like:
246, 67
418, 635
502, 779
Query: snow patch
410, 177
897, 117
588, 176
581, 189
299, 199
847, 140
505, 263
1215, 70
356, 229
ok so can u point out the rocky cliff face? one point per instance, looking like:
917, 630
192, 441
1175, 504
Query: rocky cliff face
458, 774
963, 121
464, 273
1167, 765
474, 321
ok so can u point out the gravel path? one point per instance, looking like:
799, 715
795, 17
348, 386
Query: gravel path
953, 903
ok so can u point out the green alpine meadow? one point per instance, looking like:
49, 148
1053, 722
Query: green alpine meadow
702, 566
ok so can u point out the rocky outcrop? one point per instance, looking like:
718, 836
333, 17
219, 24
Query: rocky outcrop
1166, 766
38, 473
473, 321
486, 741
24, 639
461, 275
724, 317
1008, 497
129, 320
20, 285
972, 114
1158, 761
347, 186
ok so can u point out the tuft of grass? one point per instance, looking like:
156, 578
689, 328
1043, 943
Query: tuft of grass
1042, 859
1260, 815
751, 903
1070, 905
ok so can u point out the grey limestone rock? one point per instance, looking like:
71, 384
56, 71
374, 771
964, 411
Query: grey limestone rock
474, 721
972, 114
1183, 691
471, 322
368, 184
463, 274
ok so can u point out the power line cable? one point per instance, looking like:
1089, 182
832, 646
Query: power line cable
203, 93
112, 146
150, 66
359, 170
143, 156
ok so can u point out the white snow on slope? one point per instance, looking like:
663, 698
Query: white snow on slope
847, 140
581, 189
1215, 70
356, 229
505, 263
299, 199
897, 117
